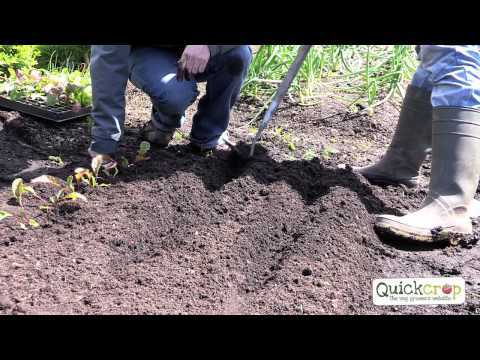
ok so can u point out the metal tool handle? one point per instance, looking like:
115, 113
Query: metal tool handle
282, 90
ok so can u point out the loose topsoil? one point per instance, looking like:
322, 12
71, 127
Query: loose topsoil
184, 234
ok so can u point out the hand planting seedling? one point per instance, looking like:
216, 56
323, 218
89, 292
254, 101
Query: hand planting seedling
105, 163
90, 177
85, 176
142, 152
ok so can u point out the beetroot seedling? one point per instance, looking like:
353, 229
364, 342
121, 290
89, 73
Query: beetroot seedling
4, 215
19, 190
57, 160
143, 151
105, 163
85, 176
33, 223
66, 191
124, 162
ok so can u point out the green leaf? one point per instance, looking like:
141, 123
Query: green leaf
30, 190
75, 196
56, 159
60, 194
17, 188
33, 223
52, 100
144, 148
124, 162
70, 183
4, 214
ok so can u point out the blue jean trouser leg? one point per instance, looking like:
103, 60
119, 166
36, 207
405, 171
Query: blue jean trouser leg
452, 73
109, 72
154, 70
224, 76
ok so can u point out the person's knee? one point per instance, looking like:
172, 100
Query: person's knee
174, 100
238, 60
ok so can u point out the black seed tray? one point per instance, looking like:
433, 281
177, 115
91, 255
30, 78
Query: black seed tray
57, 113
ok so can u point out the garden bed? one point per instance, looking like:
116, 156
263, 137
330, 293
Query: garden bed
179, 233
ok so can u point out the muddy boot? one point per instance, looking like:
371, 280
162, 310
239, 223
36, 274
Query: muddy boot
453, 183
161, 138
413, 136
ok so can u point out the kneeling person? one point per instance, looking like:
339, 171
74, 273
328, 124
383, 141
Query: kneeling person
169, 75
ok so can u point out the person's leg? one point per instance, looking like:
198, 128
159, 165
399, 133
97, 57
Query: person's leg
154, 70
224, 75
109, 73
412, 138
455, 74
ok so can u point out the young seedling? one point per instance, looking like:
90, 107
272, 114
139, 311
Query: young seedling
4, 215
109, 169
143, 151
286, 137
178, 136
22, 219
310, 154
19, 190
124, 162
57, 160
33, 223
328, 152
66, 192
86, 176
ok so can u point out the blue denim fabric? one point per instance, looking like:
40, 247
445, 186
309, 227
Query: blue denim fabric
452, 73
109, 73
153, 70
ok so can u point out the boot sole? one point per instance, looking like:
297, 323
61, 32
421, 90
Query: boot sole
418, 235
384, 181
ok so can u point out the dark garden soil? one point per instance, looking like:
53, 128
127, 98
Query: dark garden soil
180, 233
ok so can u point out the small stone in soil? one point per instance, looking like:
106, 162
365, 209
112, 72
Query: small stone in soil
5, 303
307, 272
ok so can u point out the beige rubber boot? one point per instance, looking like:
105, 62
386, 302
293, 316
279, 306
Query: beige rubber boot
408, 149
454, 179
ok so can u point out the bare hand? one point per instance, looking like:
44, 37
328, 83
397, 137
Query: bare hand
194, 61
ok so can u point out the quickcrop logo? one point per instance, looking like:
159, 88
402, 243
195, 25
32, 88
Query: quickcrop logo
419, 291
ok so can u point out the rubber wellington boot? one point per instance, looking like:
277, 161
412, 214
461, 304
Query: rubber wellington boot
408, 149
454, 179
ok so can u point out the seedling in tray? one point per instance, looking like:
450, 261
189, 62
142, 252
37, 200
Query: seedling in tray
55, 96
